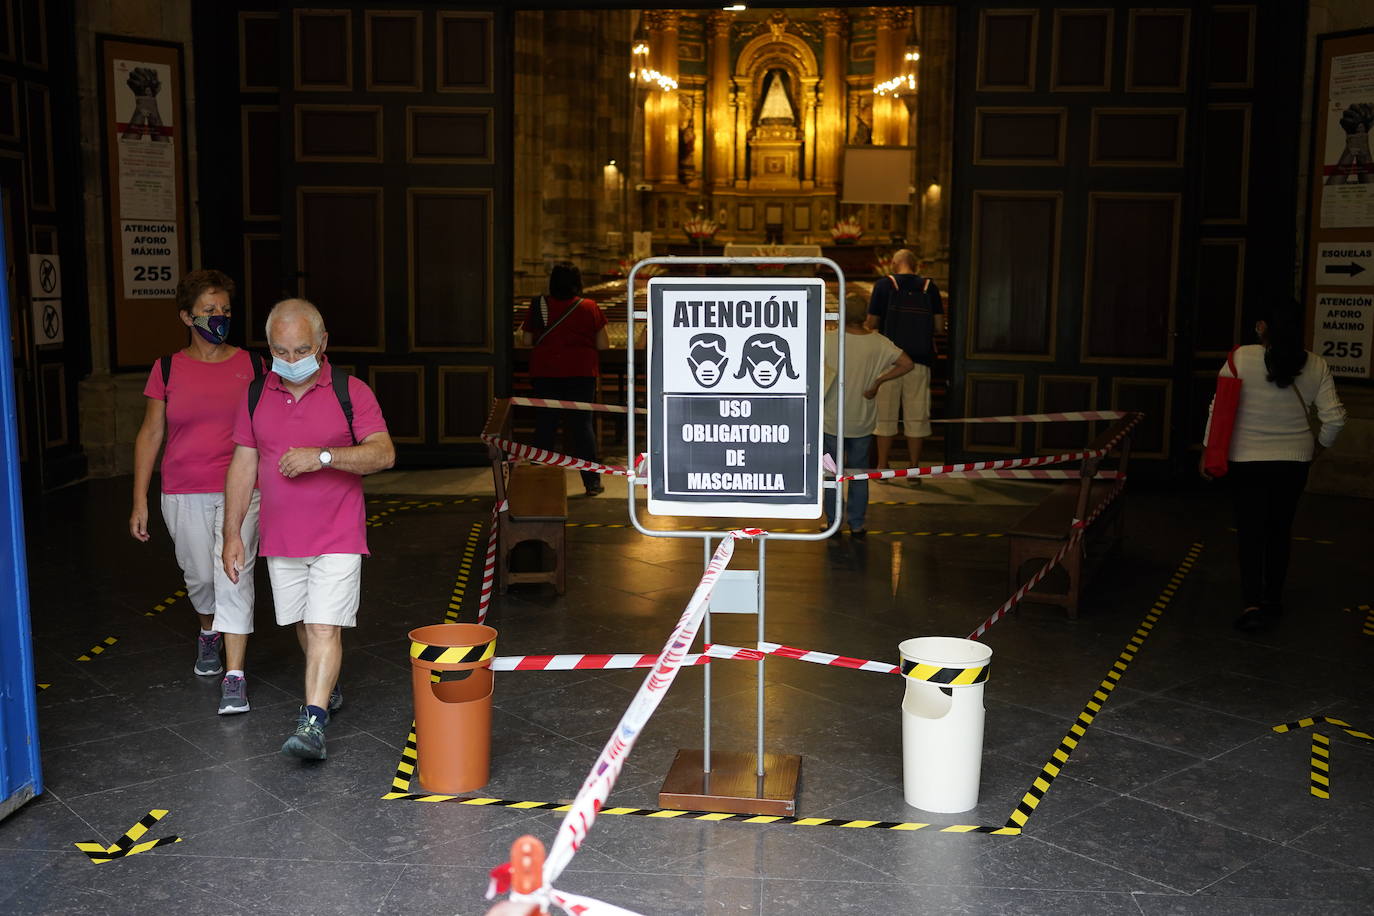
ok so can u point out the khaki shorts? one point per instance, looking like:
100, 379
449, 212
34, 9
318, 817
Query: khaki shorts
322, 589
910, 393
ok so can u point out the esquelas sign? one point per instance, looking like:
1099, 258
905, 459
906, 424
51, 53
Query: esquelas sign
735, 397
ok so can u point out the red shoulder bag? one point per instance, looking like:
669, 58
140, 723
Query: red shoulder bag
1223, 422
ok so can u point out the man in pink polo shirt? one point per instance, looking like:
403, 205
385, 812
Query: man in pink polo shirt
293, 435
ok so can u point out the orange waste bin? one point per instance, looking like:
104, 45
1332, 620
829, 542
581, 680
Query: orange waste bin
452, 715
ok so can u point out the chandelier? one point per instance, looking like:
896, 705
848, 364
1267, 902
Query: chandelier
904, 82
641, 73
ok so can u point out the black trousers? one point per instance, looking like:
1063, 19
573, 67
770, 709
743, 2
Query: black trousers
577, 424
1266, 497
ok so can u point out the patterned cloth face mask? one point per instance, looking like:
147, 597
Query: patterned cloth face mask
213, 328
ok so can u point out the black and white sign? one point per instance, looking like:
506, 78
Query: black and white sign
1345, 264
45, 276
152, 265
47, 322
735, 397
1341, 332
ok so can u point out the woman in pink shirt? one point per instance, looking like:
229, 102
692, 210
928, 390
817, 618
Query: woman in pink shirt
193, 397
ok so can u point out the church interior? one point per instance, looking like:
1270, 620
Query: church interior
1107, 198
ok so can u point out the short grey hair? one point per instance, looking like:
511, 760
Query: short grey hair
296, 308
904, 256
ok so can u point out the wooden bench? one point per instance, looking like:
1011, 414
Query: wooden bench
1041, 532
537, 499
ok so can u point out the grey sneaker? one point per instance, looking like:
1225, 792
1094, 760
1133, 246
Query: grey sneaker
308, 741
207, 654
233, 695
335, 699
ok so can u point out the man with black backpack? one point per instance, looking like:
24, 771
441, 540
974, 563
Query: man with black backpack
907, 309
307, 432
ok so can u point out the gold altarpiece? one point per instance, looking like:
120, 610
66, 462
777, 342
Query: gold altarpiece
755, 138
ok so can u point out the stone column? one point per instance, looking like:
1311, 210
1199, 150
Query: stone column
744, 106
830, 132
719, 129
889, 114
661, 109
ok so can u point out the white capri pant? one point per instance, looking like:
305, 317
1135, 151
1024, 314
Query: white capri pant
196, 523
912, 393
320, 589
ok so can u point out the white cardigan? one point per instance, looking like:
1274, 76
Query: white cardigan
1270, 423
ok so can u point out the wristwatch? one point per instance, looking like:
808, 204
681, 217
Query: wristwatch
326, 457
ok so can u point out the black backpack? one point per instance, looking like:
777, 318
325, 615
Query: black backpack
906, 300
337, 378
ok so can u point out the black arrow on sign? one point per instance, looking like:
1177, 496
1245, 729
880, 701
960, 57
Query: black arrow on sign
1352, 269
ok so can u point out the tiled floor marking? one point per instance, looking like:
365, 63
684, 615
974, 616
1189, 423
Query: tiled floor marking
128, 844
1321, 749
1041, 785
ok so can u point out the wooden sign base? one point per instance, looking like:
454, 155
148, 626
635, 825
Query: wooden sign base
733, 785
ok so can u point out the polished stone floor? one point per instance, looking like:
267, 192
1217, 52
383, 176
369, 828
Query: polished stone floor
1179, 798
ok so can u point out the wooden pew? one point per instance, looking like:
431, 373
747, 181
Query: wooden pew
537, 496
1042, 531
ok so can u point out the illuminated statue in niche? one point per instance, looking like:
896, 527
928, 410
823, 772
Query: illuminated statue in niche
776, 107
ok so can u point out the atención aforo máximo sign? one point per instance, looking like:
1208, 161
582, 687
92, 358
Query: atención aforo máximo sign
735, 397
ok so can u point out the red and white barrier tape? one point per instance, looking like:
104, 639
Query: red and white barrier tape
826, 658
576, 905
1042, 417
604, 772
573, 405
545, 456
941, 469
1001, 464
489, 564
1075, 535
590, 662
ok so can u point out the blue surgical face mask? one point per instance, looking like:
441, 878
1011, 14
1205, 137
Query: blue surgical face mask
214, 328
298, 371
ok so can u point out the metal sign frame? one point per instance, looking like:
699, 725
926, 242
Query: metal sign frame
633, 313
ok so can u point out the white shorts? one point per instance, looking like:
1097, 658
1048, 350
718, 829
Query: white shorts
322, 589
196, 523
912, 393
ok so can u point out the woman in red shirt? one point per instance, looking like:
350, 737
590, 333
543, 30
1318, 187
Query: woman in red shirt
566, 331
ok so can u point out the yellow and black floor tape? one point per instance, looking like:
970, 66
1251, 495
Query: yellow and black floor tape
97, 649
1321, 748
1368, 626
405, 772
1036, 793
392, 506
128, 844
460, 582
914, 534
165, 603
1321, 765
712, 816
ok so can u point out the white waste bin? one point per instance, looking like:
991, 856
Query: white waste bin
942, 721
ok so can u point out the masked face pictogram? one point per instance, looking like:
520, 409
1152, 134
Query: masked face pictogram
766, 358
707, 359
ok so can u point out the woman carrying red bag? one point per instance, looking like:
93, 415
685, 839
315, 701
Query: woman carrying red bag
1271, 450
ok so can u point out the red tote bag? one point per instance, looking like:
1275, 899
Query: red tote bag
1214, 458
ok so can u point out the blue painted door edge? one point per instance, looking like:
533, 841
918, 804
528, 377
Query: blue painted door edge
20, 773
